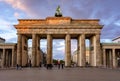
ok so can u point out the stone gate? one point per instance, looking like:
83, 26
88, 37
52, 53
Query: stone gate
59, 28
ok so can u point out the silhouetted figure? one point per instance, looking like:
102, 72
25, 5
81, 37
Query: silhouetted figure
30, 65
40, 64
62, 65
45, 65
58, 64
20, 67
87, 64
17, 66
49, 66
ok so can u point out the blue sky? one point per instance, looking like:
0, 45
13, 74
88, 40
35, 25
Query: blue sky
108, 11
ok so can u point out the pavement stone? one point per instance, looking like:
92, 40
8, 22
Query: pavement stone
55, 74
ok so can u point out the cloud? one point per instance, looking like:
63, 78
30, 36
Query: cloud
7, 31
5, 25
16, 14
59, 56
117, 23
17, 4
9, 36
73, 45
58, 49
106, 41
106, 10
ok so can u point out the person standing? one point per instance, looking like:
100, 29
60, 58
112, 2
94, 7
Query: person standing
17, 66
62, 65
58, 64
40, 64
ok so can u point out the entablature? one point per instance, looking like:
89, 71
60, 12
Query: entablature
58, 31
110, 45
59, 26
8, 45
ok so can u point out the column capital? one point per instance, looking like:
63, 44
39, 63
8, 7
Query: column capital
68, 35
113, 49
49, 36
97, 35
33, 34
103, 50
82, 34
19, 34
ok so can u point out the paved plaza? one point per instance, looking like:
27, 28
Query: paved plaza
66, 74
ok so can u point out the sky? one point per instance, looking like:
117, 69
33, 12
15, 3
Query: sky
108, 11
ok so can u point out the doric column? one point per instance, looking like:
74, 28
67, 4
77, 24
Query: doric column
117, 58
19, 49
3, 58
92, 51
78, 48
33, 49
9, 58
49, 49
68, 50
24, 50
82, 54
104, 58
6, 60
38, 56
13, 57
114, 58
110, 58
97, 49
107, 58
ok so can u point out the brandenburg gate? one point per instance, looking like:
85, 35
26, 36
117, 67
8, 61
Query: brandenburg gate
59, 28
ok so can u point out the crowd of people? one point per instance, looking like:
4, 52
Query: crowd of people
59, 65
